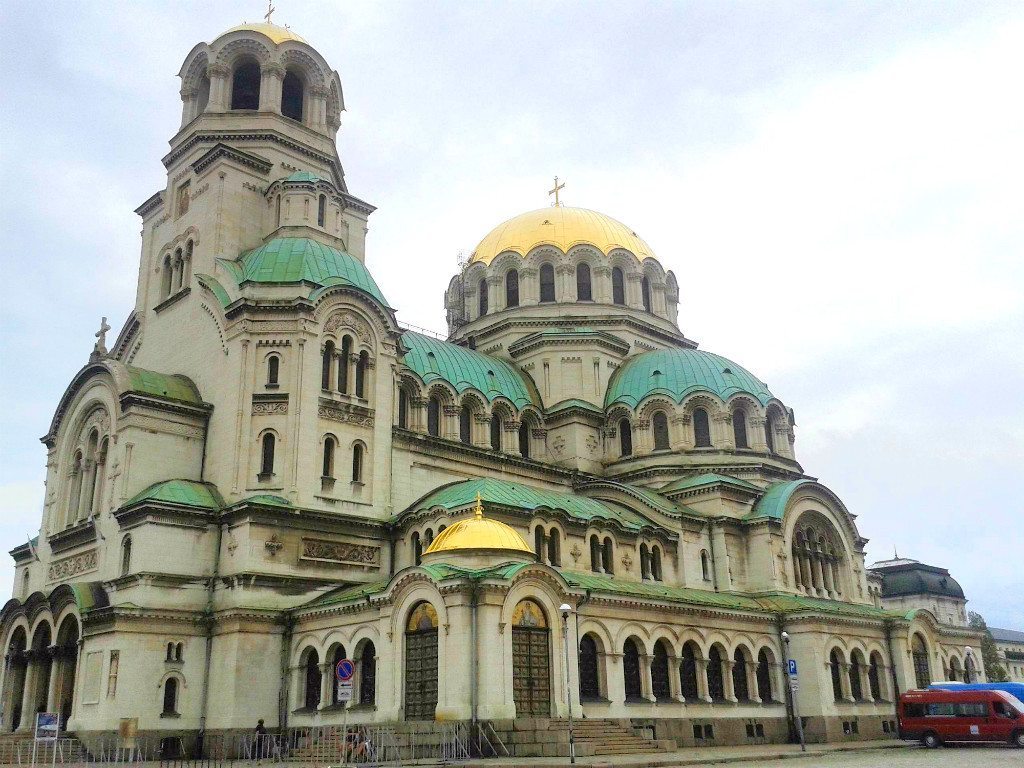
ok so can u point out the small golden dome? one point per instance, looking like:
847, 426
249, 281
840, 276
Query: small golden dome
563, 227
478, 532
276, 34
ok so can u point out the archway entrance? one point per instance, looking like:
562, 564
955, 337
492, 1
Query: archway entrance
14, 678
531, 661
421, 663
66, 657
43, 662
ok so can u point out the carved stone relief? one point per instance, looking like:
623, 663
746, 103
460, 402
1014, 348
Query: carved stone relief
339, 552
70, 567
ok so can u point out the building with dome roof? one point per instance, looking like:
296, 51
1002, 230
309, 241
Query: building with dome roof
266, 473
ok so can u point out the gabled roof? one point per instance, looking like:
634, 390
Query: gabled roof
1006, 635
707, 479
462, 368
165, 385
518, 496
185, 492
676, 373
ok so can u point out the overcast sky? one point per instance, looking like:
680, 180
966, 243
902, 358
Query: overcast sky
837, 186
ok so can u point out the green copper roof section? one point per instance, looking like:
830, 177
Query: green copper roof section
572, 402
773, 503
707, 479
89, 595
186, 492
305, 176
432, 360
266, 499
348, 594
213, 286
782, 602
676, 373
518, 496
304, 260
659, 591
169, 386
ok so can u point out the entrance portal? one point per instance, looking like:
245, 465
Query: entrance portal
421, 663
531, 661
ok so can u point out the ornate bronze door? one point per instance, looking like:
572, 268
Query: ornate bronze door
531, 661
421, 664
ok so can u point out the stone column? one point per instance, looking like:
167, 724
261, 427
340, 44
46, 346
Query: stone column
681, 434
658, 299
818, 580
720, 552
55, 667
844, 681
758, 441
481, 430
865, 681
750, 668
602, 285
529, 287
450, 422
417, 413
565, 283
646, 684
188, 105
721, 427
271, 82
326, 684
634, 298
510, 437
494, 293
730, 689
826, 572
316, 111
31, 666
675, 669
220, 84
703, 690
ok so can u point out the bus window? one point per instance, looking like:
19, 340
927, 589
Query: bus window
941, 709
913, 710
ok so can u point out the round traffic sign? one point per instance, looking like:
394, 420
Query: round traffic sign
344, 670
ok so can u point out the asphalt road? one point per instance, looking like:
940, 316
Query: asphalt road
915, 757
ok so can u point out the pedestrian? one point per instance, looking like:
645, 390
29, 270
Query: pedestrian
260, 739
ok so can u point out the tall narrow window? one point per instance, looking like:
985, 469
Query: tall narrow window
512, 288
716, 679
357, 463
705, 565
203, 97
311, 695
625, 438
166, 277
126, 555
328, 467
524, 440
739, 428
434, 416
273, 370
645, 293
660, 424
583, 292
417, 549
278, 210
596, 554
368, 674
115, 663
618, 287
547, 283
764, 676
465, 425
362, 366
346, 353
769, 433
179, 269
171, 696
482, 289
245, 86
656, 563
321, 210
607, 556
291, 98
554, 547
645, 562
328, 362
267, 456
403, 409
836, 664
701, 428
740, 689
496, 432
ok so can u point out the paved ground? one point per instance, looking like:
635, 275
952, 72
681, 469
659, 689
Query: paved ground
913, 757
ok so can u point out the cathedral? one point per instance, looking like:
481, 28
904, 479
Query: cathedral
564, 507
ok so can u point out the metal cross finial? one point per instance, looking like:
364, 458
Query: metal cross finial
100, 348
556, 190
270, 10
479, 511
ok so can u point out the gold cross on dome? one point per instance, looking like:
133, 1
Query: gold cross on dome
270, 10
556, 190
479, 511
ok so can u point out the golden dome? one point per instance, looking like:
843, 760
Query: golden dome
563, 227
478, 532
276, 34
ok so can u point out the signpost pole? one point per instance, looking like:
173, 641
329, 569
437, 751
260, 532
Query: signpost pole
343, 671
793, 683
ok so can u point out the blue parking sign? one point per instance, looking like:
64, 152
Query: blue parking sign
792, 667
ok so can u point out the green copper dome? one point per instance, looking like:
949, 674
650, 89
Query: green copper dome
678, 372
303, 260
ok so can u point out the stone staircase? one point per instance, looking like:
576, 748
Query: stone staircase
608, 737
16, 748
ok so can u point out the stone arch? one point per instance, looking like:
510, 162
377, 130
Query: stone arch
637, 630
292, 58
238, 45
717, 657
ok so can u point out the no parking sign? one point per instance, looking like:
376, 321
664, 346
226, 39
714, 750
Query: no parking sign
344, 670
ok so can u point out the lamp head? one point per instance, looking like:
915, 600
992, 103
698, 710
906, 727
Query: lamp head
968, 650
785, 637
566, 609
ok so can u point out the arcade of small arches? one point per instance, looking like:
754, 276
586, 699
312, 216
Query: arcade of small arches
176, 267
818, 558
859, 676
87, 468
316, 684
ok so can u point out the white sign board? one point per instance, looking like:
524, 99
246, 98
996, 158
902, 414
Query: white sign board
344, 691
46, 726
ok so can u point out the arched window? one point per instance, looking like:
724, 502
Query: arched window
739, 676
701, 428
311, 697
659, 673
919, 653
856, 665
631, 669
277, 205
166, 277
179, 269
434, 416
170, 652
618, 287
417, 549
362, 366
245, 86
512, 288
645, 293
403, 409
496, 432
547, 283
538, 542
171, 696
328, 467
267, 456
321, 210
769, 433
273, 370
368, 674
688, 672
590, 681
764, 676
607, 556
466, 425
705, 565
835, 663
554, 555
874, 678
645, 562
739, 428
583, 292
596, 554
291, 100
524, 439
656, 563
716, 679
203, 97
357, 463
325, 371
91, 467
482, 290
179, 650
346, 353
126, 555
625, 438
660, 424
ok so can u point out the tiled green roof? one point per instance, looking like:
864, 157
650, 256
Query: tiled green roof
773, 503
572, 402
305, 176
659, 591
89, 595
187, 492
781, 602
347, 594
214, 287
518, 496
267, 499
678, 372
707, 478
432, 359
302, 259
169, 386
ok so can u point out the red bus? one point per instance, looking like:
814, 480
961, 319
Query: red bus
937, 716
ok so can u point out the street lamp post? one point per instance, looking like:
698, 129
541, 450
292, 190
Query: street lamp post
792, 693
566, 609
